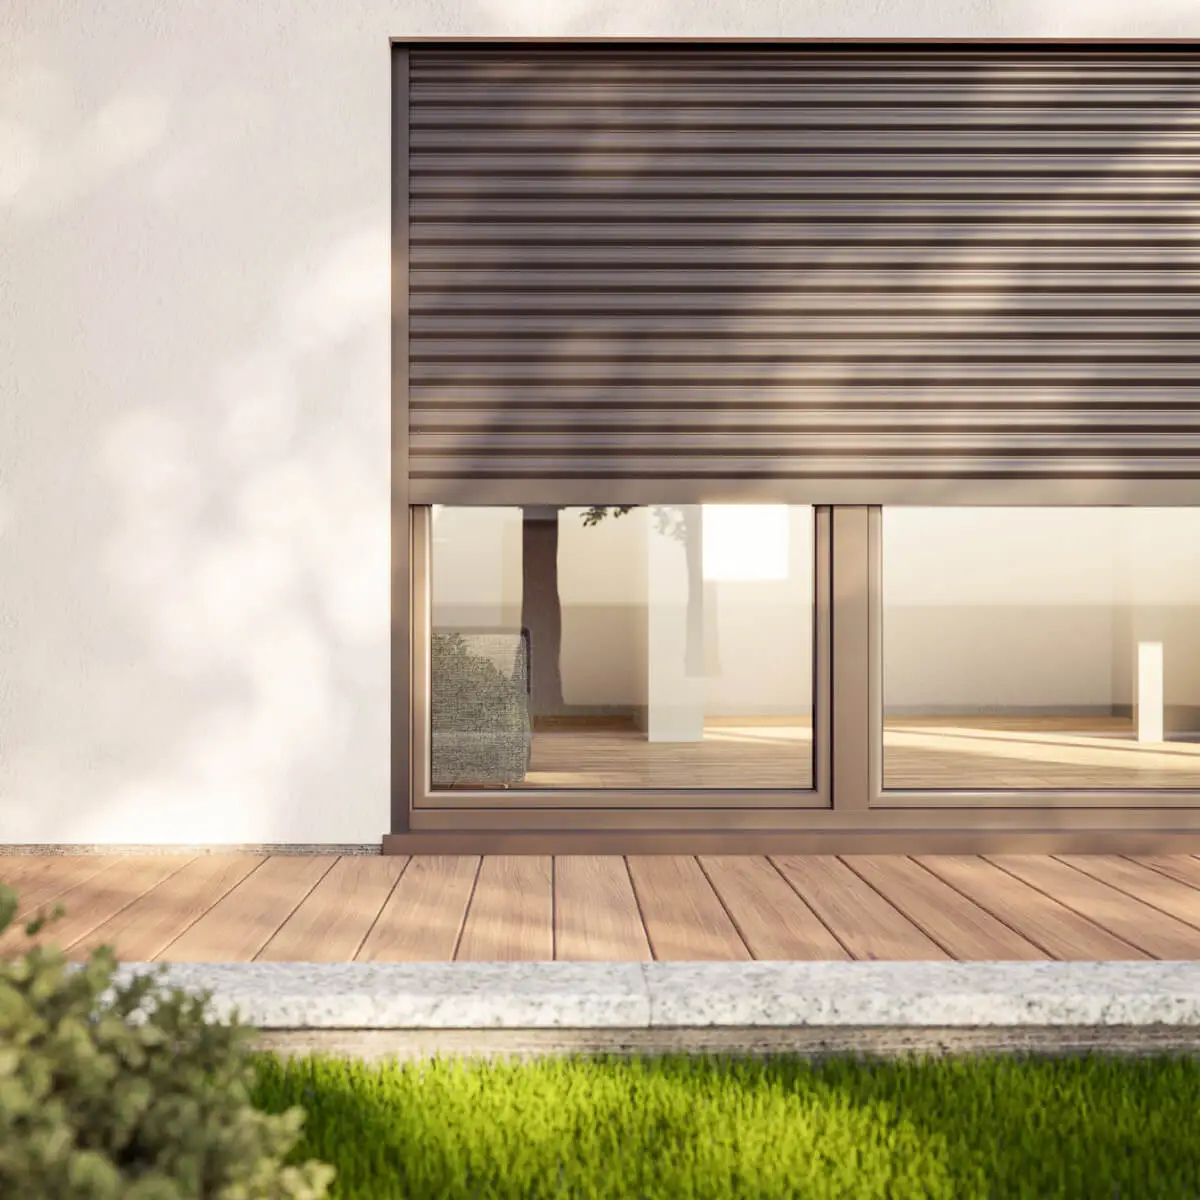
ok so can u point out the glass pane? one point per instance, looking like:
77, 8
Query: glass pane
651, 647
1046, 648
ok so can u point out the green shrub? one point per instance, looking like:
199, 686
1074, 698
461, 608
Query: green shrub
130, 1090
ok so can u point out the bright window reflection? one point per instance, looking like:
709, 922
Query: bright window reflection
1041, 648
746, 542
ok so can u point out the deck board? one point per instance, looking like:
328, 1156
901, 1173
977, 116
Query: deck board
367, 908
685, 920
333, 919
596, 916
866, 924
1142, 883
144, 929
1183, 867
963, 929
423, 918
511, 917
1153, 932
42, 889
1056, 928
773, 921
239, 925
103, 895
22, 872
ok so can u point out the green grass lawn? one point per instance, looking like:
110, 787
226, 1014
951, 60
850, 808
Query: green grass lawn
721, 1127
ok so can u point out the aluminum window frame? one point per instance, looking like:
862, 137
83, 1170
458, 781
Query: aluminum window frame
629, 800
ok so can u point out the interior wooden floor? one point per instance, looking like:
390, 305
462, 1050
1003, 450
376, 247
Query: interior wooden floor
919, 753
1036, 752
731, 755
237, 908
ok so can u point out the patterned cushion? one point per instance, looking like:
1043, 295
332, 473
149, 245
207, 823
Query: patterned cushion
479, 707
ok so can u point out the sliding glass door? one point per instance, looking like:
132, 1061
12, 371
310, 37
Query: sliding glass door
759, 656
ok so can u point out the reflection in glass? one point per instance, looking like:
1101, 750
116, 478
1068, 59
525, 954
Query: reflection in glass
622, 648
1028, 648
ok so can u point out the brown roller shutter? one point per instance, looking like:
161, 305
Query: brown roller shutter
799, 266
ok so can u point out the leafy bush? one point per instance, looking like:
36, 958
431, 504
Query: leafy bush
130, 1091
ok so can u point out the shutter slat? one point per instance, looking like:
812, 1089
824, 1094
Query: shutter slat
921, 262
643, 326
581, 159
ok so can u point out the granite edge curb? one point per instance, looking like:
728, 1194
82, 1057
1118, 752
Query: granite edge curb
632, 996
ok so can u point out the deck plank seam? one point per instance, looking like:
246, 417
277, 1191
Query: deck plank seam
26, 914
994, 907
817, 916
897, 908
997, 914
1145, 862
654, 957
295, 908
637, 904
1062, 903
466, 912
88, 932
263, 859
726, 909
1192, 923
362, 941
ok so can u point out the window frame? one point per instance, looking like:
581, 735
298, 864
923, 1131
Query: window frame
976, 798
632, 806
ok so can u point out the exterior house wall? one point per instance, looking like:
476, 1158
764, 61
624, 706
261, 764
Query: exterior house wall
194, 388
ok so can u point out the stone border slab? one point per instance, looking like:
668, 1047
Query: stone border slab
760, 995
811, 1042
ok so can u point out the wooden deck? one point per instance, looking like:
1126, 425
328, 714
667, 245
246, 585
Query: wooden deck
237, 908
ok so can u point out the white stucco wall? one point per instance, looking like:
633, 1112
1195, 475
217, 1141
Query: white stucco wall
194, 388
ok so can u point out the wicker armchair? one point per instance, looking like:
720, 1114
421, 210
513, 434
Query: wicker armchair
479, 707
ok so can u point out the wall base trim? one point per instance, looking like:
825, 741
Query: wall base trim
271, 848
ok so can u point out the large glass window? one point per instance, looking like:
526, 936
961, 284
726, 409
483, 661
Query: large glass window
623, 648
1028, 648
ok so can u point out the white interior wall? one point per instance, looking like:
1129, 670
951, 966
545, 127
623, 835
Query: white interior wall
1037, 609
194, 387
759, 632
1030, 610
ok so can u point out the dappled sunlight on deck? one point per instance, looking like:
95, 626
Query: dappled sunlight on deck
225, 907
